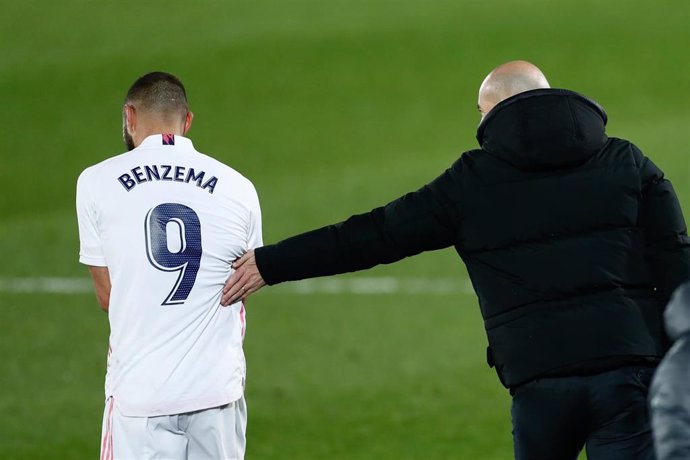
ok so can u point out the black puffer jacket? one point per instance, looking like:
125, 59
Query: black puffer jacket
670, 391
573, 240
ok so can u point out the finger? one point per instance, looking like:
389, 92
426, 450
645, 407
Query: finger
255, 283
232, 281
241, 261
241, 294
241, 284
228, 291
231, 295
229, 299
245, 288
228, 296
237, 263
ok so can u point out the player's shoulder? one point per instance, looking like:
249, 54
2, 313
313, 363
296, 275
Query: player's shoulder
228, 173
94, 172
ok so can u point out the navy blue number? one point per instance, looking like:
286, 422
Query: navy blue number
186, 260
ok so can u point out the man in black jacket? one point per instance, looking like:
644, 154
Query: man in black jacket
573, 241
670, 392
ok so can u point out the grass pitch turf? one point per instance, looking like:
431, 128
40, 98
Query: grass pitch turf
330, 108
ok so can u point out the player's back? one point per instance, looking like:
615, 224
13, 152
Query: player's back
169, 221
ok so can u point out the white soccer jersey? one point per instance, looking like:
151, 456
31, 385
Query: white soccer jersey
168, 221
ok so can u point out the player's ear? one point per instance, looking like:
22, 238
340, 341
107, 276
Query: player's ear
187, 122
130, 118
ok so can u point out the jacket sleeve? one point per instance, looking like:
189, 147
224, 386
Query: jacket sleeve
666, 237
419, 221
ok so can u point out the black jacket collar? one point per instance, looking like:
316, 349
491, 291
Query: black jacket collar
544, 129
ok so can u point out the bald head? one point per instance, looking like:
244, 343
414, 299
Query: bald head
507, 80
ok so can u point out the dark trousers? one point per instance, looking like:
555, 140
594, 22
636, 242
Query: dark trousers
554, 418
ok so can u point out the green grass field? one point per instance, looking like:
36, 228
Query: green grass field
331, 108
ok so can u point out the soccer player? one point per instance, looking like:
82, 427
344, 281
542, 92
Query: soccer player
574, 241
158, 228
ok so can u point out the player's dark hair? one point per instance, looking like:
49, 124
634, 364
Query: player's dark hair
159, 92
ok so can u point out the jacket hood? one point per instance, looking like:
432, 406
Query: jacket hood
544, 129
677, 314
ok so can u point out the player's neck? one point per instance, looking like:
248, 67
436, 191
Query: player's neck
152, 130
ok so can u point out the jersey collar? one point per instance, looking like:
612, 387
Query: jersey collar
157, 140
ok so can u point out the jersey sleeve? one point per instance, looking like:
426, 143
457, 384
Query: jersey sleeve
90, 248
254, 234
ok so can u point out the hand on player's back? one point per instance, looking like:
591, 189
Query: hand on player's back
245, 281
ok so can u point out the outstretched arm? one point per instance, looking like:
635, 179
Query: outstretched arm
419, 221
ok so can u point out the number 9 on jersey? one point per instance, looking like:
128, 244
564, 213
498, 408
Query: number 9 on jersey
173, 244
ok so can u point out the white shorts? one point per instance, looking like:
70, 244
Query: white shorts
217, 433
